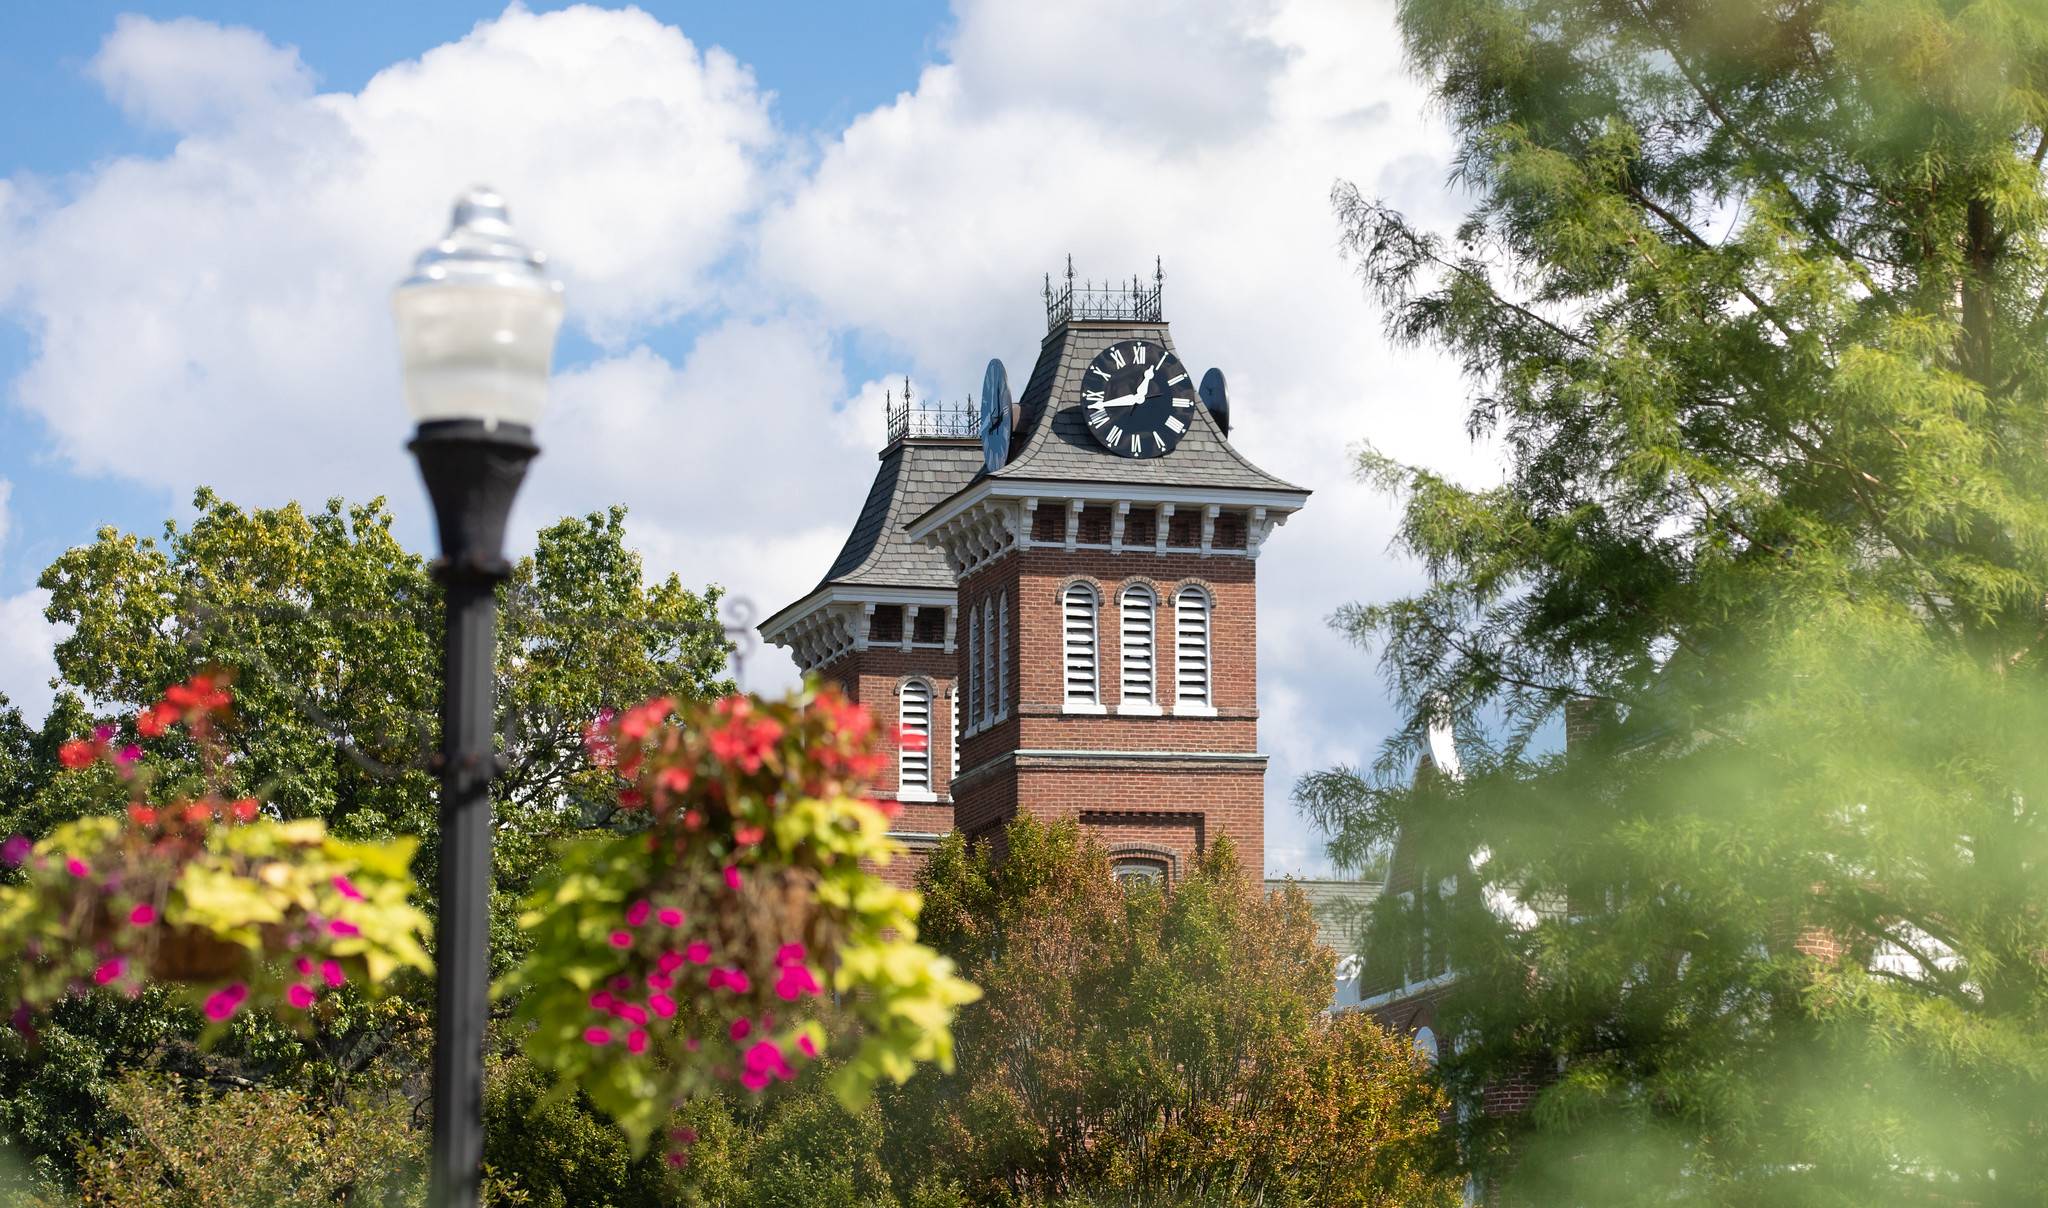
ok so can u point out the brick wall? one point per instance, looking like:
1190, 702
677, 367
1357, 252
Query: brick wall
872, 678
1172, 805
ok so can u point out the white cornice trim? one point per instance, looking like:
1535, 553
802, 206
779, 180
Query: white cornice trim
1410, 990
851, 593
1275, 503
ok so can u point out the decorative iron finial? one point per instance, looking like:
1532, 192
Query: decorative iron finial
1070, 270
906, 390
1048, 289
1158, 272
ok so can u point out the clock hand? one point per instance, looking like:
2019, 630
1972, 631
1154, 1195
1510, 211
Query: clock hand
1123, 400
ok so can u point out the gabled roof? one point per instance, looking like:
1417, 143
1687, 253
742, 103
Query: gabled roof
1341, 908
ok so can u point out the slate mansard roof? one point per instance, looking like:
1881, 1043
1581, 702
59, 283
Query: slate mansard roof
1052, 443
914, 476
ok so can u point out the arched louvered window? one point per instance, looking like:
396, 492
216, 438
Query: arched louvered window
1137, 606
1003, 655
988, 664
1191, 648
914, 739
974, 667
1079, 610
953, 727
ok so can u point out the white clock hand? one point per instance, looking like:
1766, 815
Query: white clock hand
1124, 400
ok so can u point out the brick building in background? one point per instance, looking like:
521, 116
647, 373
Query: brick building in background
1059, 597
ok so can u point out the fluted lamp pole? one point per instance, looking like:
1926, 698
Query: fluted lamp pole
476, 331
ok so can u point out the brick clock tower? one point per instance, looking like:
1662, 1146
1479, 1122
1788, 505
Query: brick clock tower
1059, 595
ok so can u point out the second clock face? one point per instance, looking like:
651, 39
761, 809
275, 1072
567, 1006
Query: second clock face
1137, 399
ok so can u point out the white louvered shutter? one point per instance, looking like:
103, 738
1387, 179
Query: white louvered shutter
914, 744
973, 666
1191, 646
953, 699
1137, 609
988, 664
1080, 644
1003, 655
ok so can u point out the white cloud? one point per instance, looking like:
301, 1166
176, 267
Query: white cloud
216, 313
186, 74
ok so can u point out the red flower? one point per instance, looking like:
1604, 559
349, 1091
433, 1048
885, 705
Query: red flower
143, 815
245, 809
747, 836
76, 754
153, 721
744, 743
911, 740
676, 779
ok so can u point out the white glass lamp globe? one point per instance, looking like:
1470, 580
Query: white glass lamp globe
477, 321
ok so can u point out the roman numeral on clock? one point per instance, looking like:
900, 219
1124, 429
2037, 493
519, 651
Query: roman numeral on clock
1181, 404
1177, 379
1158, 442
1093, 396
1098, 371
1116, 354
1138, 442
1097, 418
1115, 434
1176, 423
1138, 353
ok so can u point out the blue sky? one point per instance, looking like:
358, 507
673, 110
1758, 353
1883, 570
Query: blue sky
767, 216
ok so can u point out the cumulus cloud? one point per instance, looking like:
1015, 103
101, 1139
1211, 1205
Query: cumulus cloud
27, 642
187, 74
216, 312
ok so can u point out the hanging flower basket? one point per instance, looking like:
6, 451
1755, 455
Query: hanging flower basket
200, 892
744, 933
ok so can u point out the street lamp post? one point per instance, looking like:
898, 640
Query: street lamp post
476, 328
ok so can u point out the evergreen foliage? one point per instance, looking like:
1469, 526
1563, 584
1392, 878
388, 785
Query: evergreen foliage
1754, 300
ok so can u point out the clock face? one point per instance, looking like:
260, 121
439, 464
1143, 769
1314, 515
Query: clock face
1137, 399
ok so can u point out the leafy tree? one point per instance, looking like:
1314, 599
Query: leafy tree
1154, 1048
334, 631
1754, 300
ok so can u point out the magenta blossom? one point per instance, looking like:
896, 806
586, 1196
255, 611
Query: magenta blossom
622, 939
347, 888
671, 917
597, 1037
223, 1003
15, 850
637, 913
108, 972
732, 878
795, 982
330, 971
344, 928
300, 995
697, 953
77, 867
143, 915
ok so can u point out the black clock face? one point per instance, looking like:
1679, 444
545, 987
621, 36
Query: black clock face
1138, 399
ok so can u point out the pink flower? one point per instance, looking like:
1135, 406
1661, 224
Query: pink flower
637, 913
670, 962
754, 1080
662, 1005
15, 850
678, 1160
630, 1013
223, 1003
600, 1001
621, 984
143, 915
128, 755
740, 1029
671, 917
76, 754
734, 978
809, 1046
789, 954
697, 953
331, 972
304, 965
795, 982
747, 836
684, 1135
597, 1037
660, 981
300, 995
766, 1058
77, 867
347, 888
102, 733
108, 972
622, 939
343, 928
636, 1041
732, 878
